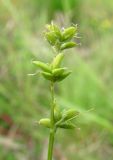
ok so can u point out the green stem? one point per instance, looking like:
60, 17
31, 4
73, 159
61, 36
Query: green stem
51, 142
52, 130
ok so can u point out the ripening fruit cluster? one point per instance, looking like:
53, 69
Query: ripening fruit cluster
62, 119
61, 39
53, 71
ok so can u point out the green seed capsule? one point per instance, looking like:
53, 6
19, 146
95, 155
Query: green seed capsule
57, 61
66, 126
68, 45
63, 76
69, 33
45, 122
71, 113
47, 76
42, 66
58, 71
51, 37
57, 114
54, 28
57, 31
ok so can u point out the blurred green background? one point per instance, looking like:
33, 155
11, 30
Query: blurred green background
89, 89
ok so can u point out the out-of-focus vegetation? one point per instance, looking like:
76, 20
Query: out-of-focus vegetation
24, 99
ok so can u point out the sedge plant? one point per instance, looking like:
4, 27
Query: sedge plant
54, 72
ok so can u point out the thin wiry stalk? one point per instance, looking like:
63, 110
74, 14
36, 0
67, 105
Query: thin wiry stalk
52, 129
